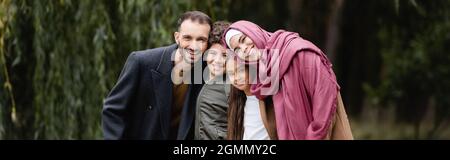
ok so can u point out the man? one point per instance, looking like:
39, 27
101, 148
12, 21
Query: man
152, 98
212, 104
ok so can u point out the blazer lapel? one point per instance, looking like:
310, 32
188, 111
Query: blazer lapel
163, 97
162, 84
189, 105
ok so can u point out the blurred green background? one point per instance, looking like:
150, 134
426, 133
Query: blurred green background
59, 58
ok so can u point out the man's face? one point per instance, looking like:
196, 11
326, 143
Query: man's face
216, 58
192, 39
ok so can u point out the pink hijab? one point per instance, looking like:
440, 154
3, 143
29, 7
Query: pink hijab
288, 45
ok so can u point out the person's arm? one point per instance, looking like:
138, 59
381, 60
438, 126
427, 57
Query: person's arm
322, 89
115, 105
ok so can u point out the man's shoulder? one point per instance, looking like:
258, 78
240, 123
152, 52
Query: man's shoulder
151, 55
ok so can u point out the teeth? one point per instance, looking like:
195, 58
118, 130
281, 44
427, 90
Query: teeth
189, 51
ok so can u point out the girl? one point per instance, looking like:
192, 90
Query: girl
212, 102
248, 117
297, 75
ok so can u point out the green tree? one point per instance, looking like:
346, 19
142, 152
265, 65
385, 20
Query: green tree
62, 58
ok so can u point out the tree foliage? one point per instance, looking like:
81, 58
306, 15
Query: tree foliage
415, 62
64, 56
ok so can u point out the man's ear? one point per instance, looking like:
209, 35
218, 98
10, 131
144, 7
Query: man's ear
176, 35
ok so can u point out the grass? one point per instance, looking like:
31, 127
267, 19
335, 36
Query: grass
378, 123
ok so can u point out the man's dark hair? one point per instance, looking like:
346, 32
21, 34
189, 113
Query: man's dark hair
215, 36
197, 16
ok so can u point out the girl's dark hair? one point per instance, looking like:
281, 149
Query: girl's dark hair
215, 36
236, 105
235, 115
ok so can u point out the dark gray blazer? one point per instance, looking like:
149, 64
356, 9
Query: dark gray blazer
139, 106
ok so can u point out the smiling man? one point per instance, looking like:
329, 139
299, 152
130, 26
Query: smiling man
153, 99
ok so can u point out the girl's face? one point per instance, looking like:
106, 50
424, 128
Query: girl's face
244, 48
215, 58
238, 75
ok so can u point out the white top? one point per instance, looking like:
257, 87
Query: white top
253, 125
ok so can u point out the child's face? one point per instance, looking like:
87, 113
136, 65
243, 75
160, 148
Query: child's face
238, 75
215, 58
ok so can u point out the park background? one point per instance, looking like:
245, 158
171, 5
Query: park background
60, 58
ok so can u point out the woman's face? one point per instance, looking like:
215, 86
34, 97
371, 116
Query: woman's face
215, 58
238, 75
244, 48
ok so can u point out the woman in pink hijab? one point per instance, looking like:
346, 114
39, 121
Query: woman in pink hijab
295, 73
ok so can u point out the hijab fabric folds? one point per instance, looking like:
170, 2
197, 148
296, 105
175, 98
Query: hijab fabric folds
298, 76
